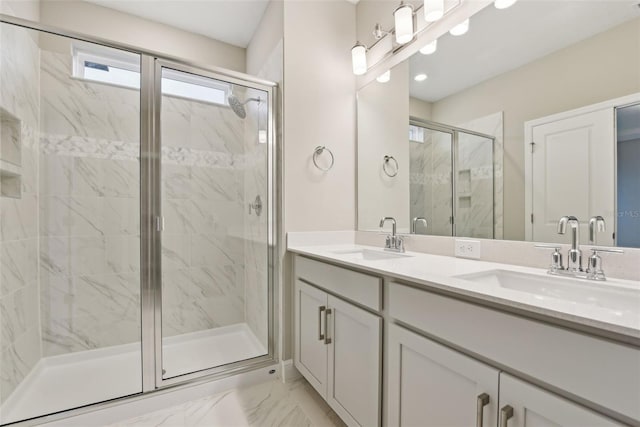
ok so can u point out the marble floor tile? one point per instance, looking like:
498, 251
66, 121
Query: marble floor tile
294, 404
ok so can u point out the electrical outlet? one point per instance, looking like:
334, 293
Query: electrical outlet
467, 248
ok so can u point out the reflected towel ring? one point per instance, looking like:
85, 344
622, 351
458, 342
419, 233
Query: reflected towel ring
319, 150
387, 159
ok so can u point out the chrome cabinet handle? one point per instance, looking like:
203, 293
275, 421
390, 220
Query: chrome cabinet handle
483, 400
320, 310
505, 414
327, 340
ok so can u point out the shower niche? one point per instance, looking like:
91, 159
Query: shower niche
10, 155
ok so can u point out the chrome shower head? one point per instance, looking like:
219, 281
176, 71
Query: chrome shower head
238, 107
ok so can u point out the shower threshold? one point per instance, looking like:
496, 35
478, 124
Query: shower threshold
68, 381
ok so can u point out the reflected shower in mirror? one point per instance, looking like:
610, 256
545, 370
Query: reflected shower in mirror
553, 84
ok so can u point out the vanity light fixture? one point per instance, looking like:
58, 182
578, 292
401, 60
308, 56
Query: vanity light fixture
403, 17
384, 77
359, 59
433, 10
503, 4
429, 48
460, 29
420, 77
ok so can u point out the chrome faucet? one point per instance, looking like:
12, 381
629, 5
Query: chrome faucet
574, 263
415, 221
393, 243
596, 224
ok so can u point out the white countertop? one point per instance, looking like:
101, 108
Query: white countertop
439, 272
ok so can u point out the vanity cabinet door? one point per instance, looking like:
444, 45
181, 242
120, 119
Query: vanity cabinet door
525, 405
310, 330
354, 386
431, 385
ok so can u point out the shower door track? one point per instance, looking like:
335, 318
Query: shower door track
150, 268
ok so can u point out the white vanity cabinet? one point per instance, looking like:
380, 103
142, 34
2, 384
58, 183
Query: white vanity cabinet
338, 344
525, 405
451, 360
432, 385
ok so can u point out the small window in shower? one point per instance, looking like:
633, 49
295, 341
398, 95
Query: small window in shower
124, 70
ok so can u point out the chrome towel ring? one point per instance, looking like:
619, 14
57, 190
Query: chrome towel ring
319, 150
387, 160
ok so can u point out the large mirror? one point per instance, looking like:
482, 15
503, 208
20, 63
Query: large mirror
531, 115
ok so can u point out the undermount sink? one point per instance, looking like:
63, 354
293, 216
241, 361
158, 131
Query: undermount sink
370, 254
619, 299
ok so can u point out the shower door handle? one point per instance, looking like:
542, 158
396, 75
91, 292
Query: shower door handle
159, 223
320, 334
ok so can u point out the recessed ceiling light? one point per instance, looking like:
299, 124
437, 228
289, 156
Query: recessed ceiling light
384, 77
430, 48
420, 77
460, 29
503, 4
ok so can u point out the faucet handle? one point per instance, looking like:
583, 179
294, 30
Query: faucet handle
556, 256
594, 269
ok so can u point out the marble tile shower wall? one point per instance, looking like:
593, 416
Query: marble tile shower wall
89, 211
20, 342
203, 249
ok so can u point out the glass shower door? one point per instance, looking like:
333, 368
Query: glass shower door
474, 186
214, 208
430, 186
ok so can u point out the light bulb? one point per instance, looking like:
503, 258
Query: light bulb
420, 77
384, 77
403, 17
433, 10
429, 48
359, 59
460, 29
503, 4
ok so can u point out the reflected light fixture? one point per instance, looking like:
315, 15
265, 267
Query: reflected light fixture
420, 77
359, 59
384, 77
429, 48
460, 29
503, 4
433, 10
403, 18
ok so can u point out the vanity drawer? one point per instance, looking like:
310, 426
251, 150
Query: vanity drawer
602, 373
363, 289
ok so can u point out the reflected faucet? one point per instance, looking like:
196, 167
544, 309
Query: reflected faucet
596, 224
393, 243
575, 254
415, 221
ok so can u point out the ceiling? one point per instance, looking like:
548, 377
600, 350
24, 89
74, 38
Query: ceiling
230, 21
503, 40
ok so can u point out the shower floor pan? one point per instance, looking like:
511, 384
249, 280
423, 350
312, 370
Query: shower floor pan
73, 380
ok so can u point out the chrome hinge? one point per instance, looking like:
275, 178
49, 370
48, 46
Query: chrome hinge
531, 218
532, 144
159, 223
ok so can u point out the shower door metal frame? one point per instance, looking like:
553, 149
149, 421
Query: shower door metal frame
149, 248
455, 131
154, 215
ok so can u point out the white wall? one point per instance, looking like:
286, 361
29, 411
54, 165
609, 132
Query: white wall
319, 109
98, 21
383, 117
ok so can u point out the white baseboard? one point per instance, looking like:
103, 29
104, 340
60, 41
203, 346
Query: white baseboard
288, 371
